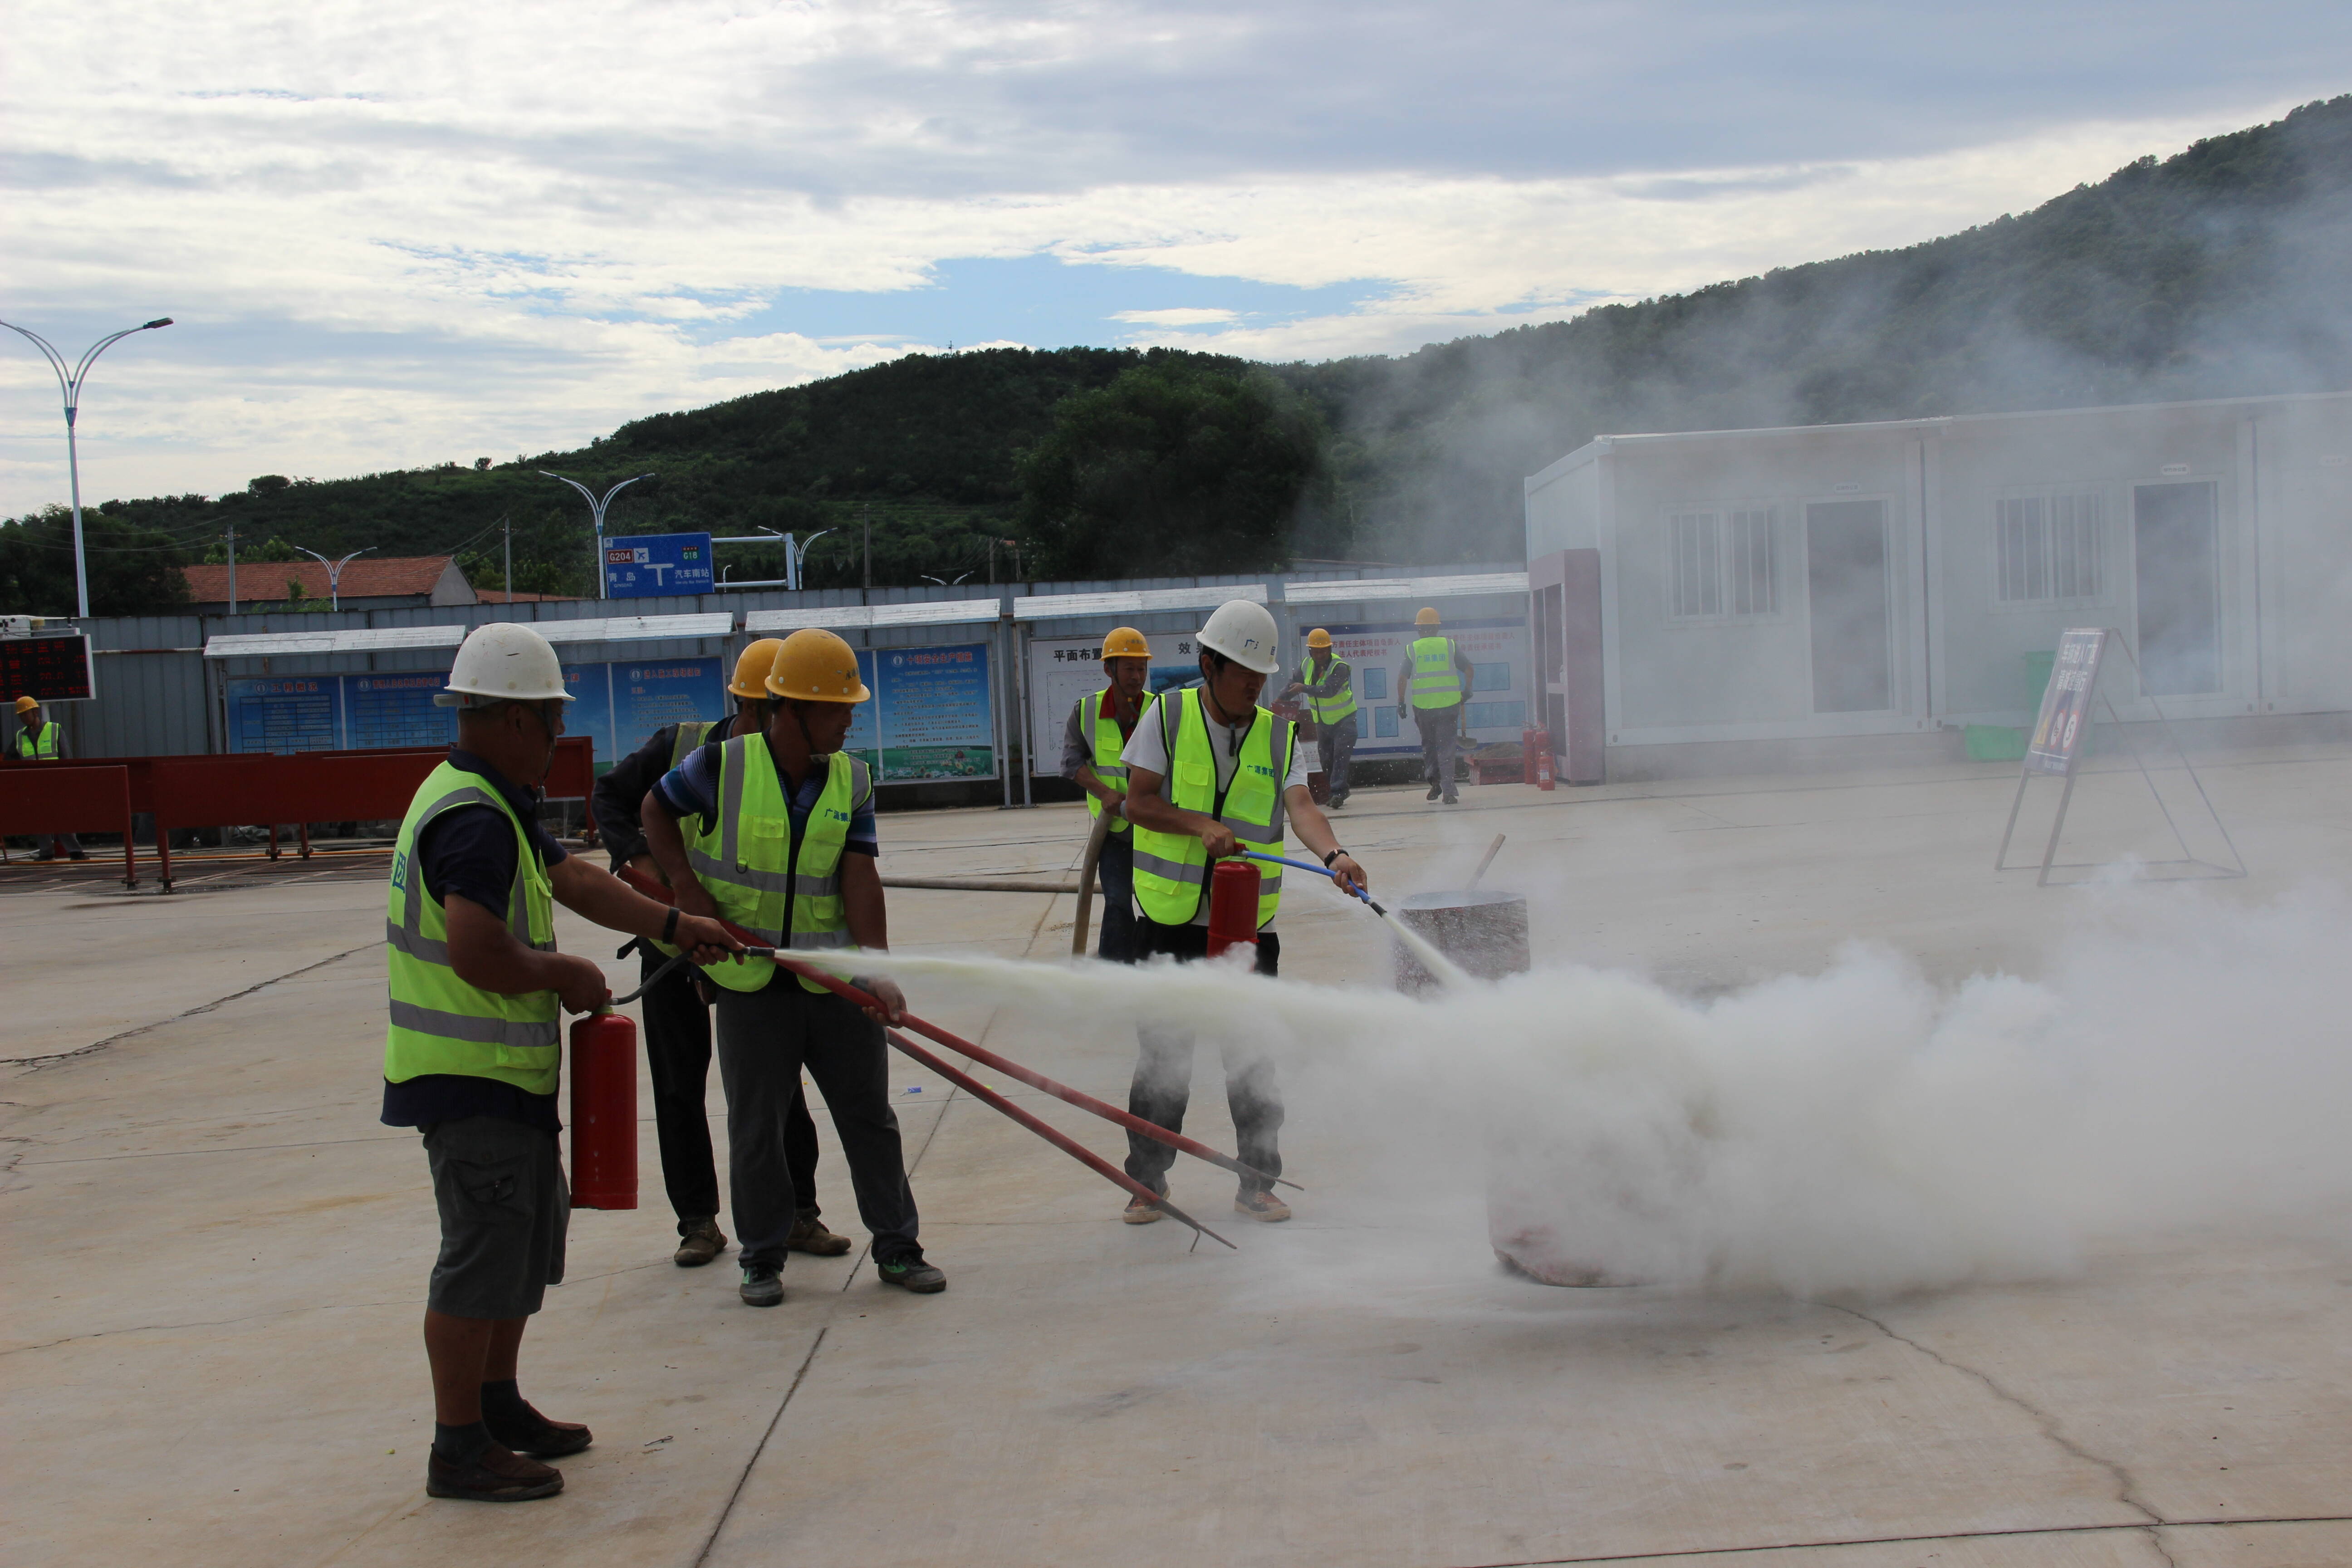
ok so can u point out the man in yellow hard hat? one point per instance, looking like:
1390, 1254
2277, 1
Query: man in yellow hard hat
775, 833
1100, 725
473, 1048
1328, 684
677, 1007
1431, 683
40, 739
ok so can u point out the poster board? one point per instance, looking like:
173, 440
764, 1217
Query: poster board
1496, 707
2063, 727
1063, 670
930, 719
48, 668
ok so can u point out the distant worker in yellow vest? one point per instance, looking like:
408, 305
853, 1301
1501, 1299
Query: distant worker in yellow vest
474, 1048
676, 1016
1328, 684
1101, 724
1431, 683
1210, 773
40, 739
776, 834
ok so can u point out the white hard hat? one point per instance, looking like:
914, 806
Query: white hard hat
1243, 632
502, 662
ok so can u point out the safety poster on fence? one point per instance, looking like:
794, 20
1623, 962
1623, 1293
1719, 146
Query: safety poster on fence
929, 718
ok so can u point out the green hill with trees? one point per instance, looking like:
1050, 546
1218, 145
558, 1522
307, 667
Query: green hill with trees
2221, 271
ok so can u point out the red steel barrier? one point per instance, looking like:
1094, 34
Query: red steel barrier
63, 798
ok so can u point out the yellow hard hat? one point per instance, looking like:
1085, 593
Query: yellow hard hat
1424, 616
1318, 637
25, 704
817, 666
752, 666
1125, 642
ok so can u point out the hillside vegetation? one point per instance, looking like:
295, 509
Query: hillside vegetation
2217, 273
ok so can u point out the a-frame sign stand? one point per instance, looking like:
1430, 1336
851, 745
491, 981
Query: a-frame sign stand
2060, 738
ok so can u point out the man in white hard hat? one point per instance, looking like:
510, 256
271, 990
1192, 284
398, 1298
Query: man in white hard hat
1210, 773
473, 1050
676, 1007
775, 833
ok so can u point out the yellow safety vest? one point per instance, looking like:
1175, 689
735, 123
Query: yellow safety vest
36, 745
1171, 868
1108, 744
440, 1023
1330, 710
768, 880
1436, 682
692, 735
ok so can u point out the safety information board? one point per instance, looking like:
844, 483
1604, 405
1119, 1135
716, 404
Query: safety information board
286, 713
394, 711
2065, 722
49, 669
650, 564
1063, 670
929, 719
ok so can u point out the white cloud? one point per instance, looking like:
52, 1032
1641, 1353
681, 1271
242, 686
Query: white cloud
398, 237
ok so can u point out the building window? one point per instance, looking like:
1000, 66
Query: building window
2051, 548
1720, 564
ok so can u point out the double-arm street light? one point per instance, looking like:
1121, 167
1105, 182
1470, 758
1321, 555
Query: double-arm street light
335, 573
70, 383
596, 512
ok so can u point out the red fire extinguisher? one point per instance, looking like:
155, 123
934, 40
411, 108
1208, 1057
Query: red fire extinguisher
604, 1113
1539, 753
1232, 906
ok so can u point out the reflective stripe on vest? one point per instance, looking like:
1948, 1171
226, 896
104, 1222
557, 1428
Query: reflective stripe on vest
1171, 869
1108, 744
439, 1022
774, 883
1331, 709
1436, 682
691, 736
40, 743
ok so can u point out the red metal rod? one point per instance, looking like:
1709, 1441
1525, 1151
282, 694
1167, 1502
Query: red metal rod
1049, 1133
981, 1054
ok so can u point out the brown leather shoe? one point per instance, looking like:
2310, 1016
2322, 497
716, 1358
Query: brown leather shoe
810, 1236
494, 1474
699, 1244
535, 1433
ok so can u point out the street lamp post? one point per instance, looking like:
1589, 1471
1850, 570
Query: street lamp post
596, 513
335, 573
70, 383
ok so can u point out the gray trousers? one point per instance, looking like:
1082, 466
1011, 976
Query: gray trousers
1437, 741
1335, 748
1114, 870
765, 1038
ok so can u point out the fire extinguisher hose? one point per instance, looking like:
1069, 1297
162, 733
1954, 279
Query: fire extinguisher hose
981, 1054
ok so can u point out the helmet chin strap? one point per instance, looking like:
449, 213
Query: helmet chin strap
808, 742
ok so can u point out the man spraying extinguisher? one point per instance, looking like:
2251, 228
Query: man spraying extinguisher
472, 1049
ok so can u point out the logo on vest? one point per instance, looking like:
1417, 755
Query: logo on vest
400, 869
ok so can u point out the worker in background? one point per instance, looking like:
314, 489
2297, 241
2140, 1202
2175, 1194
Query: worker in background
473, 1049
677, 1006
1431, 684
1100, 723
40, 739
782, 843
1329, 683
1210, 773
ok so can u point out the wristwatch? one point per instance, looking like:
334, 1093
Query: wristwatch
1331, 857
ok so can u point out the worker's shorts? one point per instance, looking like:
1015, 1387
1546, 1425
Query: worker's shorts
504, 1210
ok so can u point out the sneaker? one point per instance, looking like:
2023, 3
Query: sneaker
699, 1241
912, 1274
494, 1474
1140, 1211
532, 1433
1433, 792
762, 1286
1261, 1205
810, 1236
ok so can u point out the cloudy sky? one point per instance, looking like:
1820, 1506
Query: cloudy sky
394, 235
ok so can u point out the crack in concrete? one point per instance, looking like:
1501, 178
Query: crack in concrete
2127, 1485
1683, 1552
34, 1064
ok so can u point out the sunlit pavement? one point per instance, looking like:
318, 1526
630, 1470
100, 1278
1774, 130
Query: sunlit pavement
216, 1261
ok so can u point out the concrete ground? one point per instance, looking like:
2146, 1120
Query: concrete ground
216, 1256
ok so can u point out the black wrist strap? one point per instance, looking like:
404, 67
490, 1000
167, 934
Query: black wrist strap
1331, 857
669, 926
